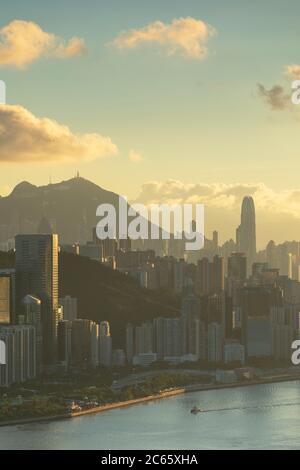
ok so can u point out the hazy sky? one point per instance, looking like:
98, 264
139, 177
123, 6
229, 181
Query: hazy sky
175, 100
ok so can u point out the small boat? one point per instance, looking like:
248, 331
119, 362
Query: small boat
195, 410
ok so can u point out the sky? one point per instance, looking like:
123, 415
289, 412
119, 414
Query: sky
160, 101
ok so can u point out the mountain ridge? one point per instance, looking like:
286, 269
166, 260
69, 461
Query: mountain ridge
70, 206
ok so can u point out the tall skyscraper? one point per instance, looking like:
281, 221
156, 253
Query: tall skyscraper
20, 342
246, 232
236, 273
167, 337
8, 304
64, 342
215, 240
31, 315
105, 345
144, 338
84, 342
5, 312
190, 314
237, 267
129, 343
37, 275
215, 342
210, 276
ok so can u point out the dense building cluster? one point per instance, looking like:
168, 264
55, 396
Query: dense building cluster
237, 304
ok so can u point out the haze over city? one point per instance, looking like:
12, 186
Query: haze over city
161, 102
149, 228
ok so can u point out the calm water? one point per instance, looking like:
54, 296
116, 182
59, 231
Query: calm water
261, 417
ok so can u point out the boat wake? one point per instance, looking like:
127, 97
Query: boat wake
251, 407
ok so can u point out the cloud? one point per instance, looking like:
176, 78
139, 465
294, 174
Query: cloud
225, 197
26, 138
186, 36
275, 209
24, 42
276, 97
135, 157
75, 47
293, 71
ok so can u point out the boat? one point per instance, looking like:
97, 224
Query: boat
195, 410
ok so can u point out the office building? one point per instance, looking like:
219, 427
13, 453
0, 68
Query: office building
167, 337
105, 345
5, 299
246, 232
84, 344
31, 315
37, 274
130, 342
70, 309
20, 345
234, 352
210, 276
215, 343
64, 342
118, 358
144, 338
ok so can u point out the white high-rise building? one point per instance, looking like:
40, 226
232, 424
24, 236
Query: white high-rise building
32, 316
105, 345
20, 352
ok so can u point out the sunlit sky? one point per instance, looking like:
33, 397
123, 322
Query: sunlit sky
197, 120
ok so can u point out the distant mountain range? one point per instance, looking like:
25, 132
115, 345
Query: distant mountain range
69, 207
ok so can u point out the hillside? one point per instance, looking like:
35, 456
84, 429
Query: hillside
105, 294
69, 206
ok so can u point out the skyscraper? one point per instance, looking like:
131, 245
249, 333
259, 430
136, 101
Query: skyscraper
5, 315
246, 232
69, 305
31, 315
84, 342
37, 275
210, 276
237, 267
105, 345
20, 341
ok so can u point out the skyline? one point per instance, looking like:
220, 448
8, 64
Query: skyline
215, 218
159, 107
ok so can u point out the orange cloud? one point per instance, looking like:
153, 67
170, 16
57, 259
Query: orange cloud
26, 138
186, 36
222, 196
24, 42
293, 71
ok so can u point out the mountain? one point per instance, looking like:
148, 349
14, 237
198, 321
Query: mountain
106, 294
69, 207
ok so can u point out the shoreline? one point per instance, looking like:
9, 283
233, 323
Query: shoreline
96, 410
166, 394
